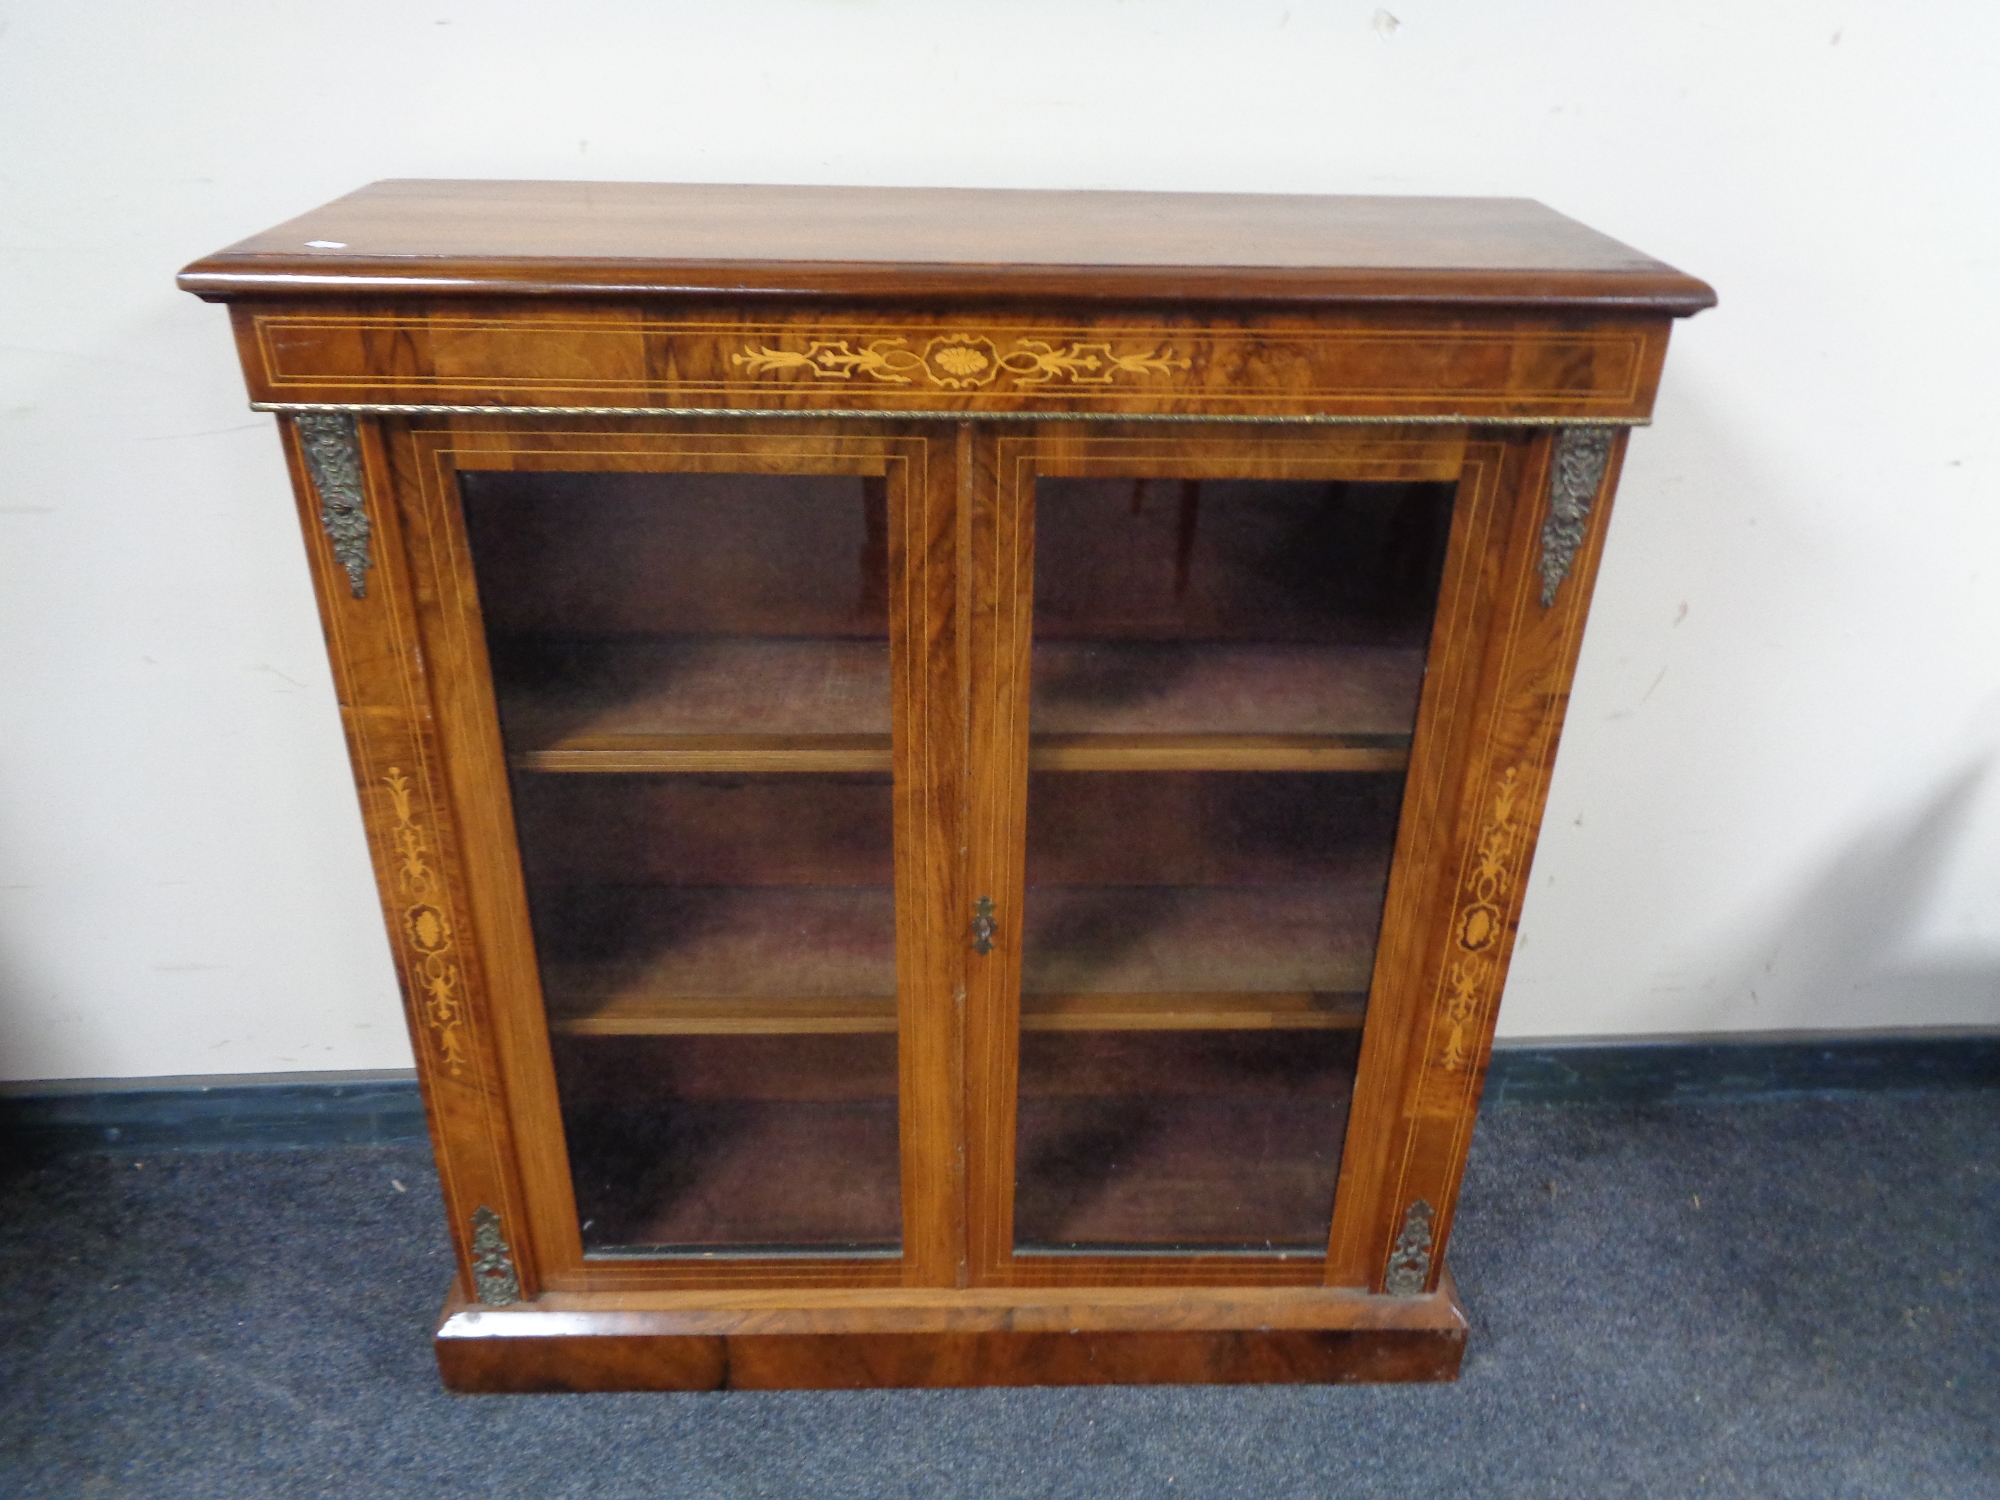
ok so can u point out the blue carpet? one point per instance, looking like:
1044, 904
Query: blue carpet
1789, 1299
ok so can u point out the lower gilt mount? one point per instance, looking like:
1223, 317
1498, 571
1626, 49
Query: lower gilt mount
493, 1278
1410, 1261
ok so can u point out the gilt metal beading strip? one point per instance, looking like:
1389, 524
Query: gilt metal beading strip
331, 444
423, 409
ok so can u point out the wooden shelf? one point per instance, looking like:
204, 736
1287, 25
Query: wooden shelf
1068, 752
1195, 1011
1217, 752
553, 691
1203, 688
744, 705
641, 1014
723, 960
720, 752
793, 960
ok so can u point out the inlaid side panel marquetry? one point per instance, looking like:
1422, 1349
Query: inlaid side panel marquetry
824, 361
426, 929
386, 703
1488, 892
1491, 718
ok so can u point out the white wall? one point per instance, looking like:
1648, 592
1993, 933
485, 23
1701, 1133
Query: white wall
1769, 811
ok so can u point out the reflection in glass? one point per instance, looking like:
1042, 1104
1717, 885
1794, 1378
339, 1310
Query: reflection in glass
1181, 1140
1225, 682
693, 679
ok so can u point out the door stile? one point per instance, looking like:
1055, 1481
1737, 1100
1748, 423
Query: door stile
929, 739
1001, 526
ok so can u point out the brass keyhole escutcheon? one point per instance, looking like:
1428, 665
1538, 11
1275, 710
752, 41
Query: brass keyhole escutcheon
983, 925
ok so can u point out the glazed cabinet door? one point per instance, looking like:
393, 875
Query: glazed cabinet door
1224, 699
696, 710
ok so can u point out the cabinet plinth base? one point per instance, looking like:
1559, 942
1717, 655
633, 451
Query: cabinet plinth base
913, 1338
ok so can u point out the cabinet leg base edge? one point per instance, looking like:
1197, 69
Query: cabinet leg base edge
527, 1350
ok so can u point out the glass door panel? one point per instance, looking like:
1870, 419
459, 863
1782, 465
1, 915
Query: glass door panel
1224, 686
693, 678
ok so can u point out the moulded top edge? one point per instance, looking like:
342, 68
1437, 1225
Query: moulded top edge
640, 239
221, 279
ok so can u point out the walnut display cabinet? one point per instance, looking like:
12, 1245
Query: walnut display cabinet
951, 773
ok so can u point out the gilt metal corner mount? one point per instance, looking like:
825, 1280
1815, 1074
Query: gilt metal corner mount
493, 1276
331, 443
1576, 473
1410, 1261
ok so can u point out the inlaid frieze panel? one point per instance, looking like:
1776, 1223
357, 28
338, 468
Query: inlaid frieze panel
626, 362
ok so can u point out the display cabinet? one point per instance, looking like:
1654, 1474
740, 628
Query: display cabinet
951, 773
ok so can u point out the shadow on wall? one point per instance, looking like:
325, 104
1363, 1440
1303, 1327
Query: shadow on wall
1763, 818
1853, 951
18, 982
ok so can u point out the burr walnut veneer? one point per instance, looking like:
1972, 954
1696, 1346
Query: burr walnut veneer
951, 773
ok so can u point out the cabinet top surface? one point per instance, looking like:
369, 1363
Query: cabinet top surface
647, 239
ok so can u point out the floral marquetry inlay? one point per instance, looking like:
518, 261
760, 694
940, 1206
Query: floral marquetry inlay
954, 362
426, 930
1481, 920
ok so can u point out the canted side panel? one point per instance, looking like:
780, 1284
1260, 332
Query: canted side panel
1494, 876
386, 705
1496, 366
1466, 890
